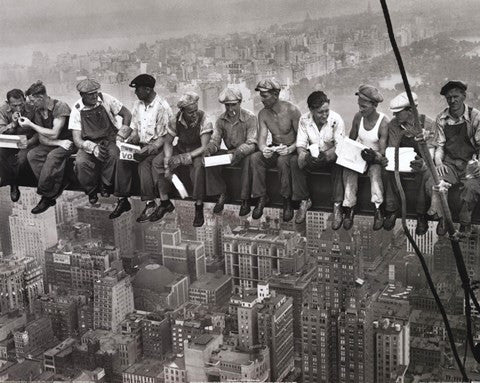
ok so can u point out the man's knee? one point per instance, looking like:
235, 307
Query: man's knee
283, 162
34, 155
256, 158
198, 162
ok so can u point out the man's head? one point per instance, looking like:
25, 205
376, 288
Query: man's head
455, 94
368, 99
401, 108
16, 100
88, 89
144, 85
319, 106
188, 104
37, 94
232, 99
269, 91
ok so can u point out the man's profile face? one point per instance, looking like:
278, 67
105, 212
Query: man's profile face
403, 116
268, 98
89, 99
190, 113
455, 98
17, 104
320, 113
232, 109
366, 107
38, 100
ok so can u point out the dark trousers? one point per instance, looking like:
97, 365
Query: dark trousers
260, 164
196, 173
90, 170
469, 190
299, 177
216, 184
146, 172
392, 196
12, 163
48, 164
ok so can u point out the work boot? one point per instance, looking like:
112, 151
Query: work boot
122, 207
258, 211
150, 208
378, 219
244, 208
349, 216
93, 198
302, 210
422, 224
287, 210
43, 205
105, 190
164, 208
14, 193
199, 218
390, 220
218, 208
337, 216
441, 228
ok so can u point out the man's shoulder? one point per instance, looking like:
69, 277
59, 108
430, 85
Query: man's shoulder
334, 116
4, 108
289, 106
247, 114
78, 105
442, 115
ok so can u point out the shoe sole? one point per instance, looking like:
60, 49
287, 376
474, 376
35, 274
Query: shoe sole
44, 210
116, 216
168, 210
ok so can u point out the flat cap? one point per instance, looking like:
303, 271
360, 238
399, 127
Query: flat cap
453, 84
401, 102
369, 93
230, 96
187, 99
267, 85
88, 85
143, 80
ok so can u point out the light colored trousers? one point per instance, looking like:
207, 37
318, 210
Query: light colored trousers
350, 180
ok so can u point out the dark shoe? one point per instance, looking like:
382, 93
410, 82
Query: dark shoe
378, 219
147, 212
287, 210
43, 205
218, 208
337, 216
105, 190
302, 211
441, 228
14, 193
164, 208
349, 216
199, 219
258, 211
93, 198
244, 208
390, 220
422, 224
122, 207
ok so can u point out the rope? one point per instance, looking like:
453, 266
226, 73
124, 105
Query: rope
444, 203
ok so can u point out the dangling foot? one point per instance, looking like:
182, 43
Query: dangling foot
122, 207
199, 219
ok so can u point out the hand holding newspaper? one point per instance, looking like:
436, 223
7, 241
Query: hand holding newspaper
349, 155
127, 151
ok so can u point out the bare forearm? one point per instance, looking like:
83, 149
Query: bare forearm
49, 141
49, 133
438, 156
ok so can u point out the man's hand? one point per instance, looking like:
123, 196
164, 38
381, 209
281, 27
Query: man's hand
303, 157
23, 143
369, 155
65, 144
473, 168
210, 149
442, 170
237, 157
418, 165
15, 117
168, 173
134, 138
426, 135
180, 159
283, 150
100, 152
24, 122
268, 152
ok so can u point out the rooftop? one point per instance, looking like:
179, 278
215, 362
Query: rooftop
210, 281
146, 367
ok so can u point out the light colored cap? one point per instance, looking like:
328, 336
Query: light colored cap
401, 102
187, 99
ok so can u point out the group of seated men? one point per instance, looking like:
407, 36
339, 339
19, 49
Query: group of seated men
91, 130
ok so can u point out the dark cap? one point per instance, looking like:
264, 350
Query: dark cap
453, 84
267, 85
143, 80
369, 93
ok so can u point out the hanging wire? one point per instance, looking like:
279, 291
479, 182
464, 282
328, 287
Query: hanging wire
469, 294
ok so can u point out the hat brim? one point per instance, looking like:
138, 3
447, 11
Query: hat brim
453, 85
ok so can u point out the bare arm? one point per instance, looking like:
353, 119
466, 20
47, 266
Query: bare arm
262, 132
205, 139
58, 124
383, 137
296, 114
32, 141
126, 116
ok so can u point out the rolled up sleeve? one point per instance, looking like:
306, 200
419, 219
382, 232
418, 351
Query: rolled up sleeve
217, 134
476, 128
252, 130
164, 116
439, 134
207, 126
302, 135
338, 130
74, 122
